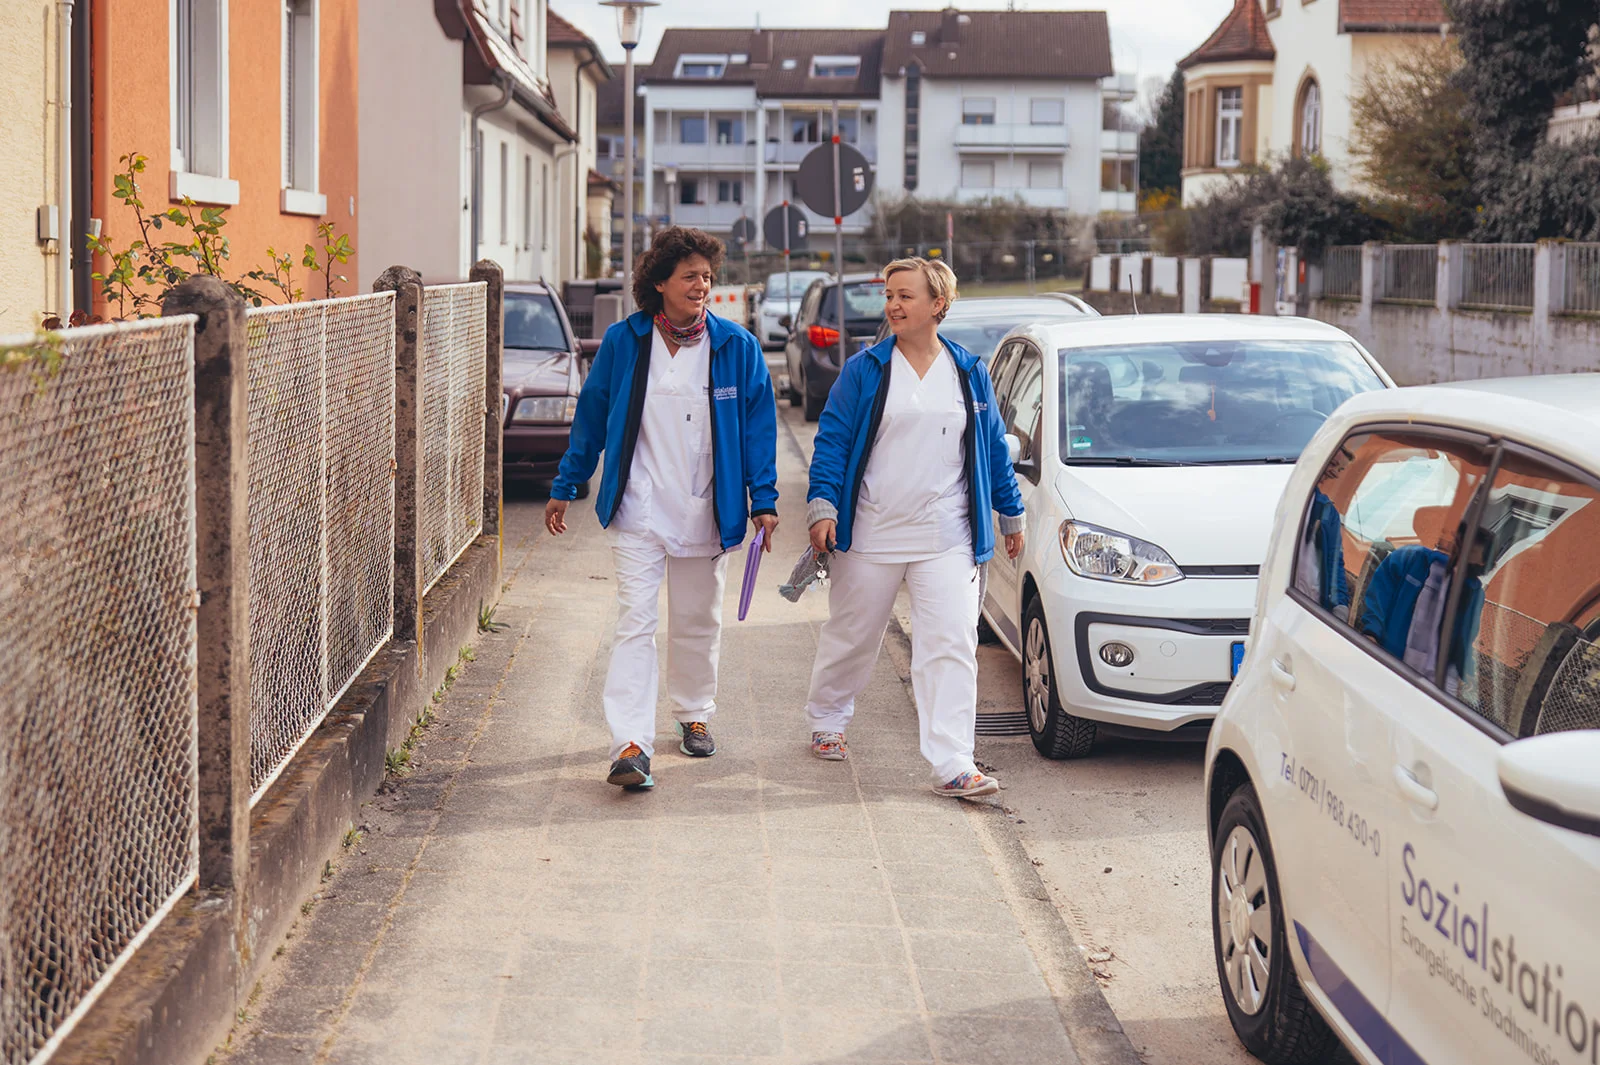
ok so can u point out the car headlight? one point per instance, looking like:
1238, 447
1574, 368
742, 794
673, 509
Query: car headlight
549, 409
1104, 555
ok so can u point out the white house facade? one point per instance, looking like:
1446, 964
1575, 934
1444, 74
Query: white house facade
1281, 81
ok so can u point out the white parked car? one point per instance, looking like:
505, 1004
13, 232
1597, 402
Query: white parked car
1151, 454
1404, 784
779, 299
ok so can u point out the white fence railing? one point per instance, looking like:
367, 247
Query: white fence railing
1341, 272
450, 488
98, 757
1410, 272
321, 493
1581, 286
1497, 277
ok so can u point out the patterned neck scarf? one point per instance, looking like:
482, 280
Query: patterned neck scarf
684, 338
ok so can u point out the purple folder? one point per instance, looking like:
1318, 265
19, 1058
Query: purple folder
752, 566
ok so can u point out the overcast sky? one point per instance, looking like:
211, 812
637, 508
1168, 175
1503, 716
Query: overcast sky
1147, 38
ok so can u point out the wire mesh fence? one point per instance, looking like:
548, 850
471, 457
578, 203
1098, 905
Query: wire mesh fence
1341, 272
1410, 272
1497, 277
321, 500
1573, 699
450, 480
1582, 294
98, 815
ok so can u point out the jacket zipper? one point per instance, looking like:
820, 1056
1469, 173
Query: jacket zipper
876, 421
969, 457
630, 430
711, 399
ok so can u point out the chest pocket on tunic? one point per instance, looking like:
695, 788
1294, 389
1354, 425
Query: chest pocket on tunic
698, 422
953, 428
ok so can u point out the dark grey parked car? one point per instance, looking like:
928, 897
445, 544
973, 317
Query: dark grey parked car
543, 365
812, 354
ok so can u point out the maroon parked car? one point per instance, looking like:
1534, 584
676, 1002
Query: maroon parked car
543, 367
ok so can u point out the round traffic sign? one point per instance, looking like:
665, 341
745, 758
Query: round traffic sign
814, 180
772, 227
744, 231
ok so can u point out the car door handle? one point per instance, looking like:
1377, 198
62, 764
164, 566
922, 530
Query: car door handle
1413, 789
1282, 675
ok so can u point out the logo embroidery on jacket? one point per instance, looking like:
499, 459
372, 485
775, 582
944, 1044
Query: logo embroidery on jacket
726, 392
979, 405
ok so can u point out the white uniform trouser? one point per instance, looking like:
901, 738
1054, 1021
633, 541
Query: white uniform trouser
694, 640
944, 649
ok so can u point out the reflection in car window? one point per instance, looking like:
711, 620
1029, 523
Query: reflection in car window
863, 302
1204, 401
1022, 405
532, 322
1379, 541
1531, 620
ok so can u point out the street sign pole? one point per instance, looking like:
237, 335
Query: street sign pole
788, 285
838, 228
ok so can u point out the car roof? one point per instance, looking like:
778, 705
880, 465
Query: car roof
536, 288
1000, 308
1082, 332
1555, 413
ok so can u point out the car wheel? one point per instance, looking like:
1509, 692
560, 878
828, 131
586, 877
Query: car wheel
1266, 1004
1056, 733
986, 633
814, 405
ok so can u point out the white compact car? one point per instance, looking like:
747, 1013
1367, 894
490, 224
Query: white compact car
1151, 453
1404, 784
779, 299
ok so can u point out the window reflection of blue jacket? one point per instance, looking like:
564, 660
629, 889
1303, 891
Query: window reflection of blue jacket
1327, 532
1391, 595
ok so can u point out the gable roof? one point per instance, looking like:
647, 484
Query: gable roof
1057, 45
1391, 16
1242, 36
559, 33
765, 52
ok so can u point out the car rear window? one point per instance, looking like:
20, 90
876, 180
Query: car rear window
863, 303
532, 321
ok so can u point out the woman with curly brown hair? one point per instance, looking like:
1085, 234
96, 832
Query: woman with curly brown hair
680, 401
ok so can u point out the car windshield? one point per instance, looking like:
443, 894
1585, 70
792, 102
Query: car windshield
863, 302
533, 322
795, 287
1199, 402
982, 335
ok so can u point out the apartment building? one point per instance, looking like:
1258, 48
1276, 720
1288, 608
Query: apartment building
1011, 104
730, 115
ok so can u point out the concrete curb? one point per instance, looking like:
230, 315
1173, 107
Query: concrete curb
177, 996
1092, 1026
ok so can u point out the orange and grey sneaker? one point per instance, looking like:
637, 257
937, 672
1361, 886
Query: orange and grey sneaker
829, 746
968, 785
696, 740
631, 770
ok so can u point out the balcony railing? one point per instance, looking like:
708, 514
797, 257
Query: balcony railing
724, 156
1119, 140
791, 153
1007, 136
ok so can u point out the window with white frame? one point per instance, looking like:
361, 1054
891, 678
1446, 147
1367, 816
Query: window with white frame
1310, 140
977, 174
977, 111
730, 191
689, 191
1230, 125
1047, 111
527, 201
1044, 174
919, 38
835, 66
691, 129
199, 96
505, 198
300, 104
544, 206
701, 66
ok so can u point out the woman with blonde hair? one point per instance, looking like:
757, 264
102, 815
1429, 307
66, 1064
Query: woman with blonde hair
910, 458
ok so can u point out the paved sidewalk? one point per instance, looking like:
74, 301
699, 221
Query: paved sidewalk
506, 905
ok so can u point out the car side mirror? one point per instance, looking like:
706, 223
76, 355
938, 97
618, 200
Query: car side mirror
785, 321
1551, 778
1013, 448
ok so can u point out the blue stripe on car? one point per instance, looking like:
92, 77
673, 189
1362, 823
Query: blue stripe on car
1367, 1020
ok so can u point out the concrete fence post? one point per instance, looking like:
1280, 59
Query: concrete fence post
1189, 275
1116, 269
1556, 251
1371, 282
1545, 298
488, 271
222, 572
1145, 282
1207, 277
406, 284
1449, 283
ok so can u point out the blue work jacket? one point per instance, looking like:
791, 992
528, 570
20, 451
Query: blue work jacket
744, 423
849, 428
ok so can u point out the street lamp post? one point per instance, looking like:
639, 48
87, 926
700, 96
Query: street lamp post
630, 15
669, 175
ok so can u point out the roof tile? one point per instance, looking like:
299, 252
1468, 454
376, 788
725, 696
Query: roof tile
765, 52
1394, 15
992, 44
1242, 36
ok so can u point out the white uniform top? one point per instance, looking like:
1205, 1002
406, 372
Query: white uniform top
913, 502
668, 498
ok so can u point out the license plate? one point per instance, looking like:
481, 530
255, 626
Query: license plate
1238, 657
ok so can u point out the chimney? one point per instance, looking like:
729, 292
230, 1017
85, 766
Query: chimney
949, 26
